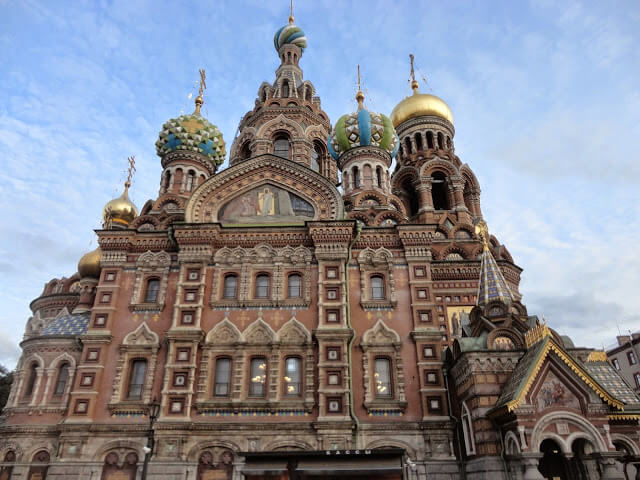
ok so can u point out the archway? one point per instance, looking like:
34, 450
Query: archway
211, 467
553, 464
39, 466
583, 466
111, 470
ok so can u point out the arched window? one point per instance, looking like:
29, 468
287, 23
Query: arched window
407, 143
63, 378
294, 285
281, 146
418, 138
153, 287
285, 88
262, 286
39, 465
292, 376
356, 177
257, 381
317, 154
230, 289
430, 140
440, 140
167, 181
379, 177
308, 94
190, 177
223, 377
382, 377
136, 379
31, 381
412, 198
467, 430
5, 472
263, 95
245, 151
439, 191
377, 287
448, 142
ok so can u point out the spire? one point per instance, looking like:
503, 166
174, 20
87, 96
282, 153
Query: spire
492, 285
414, 82
359, 94
291, 19
199, 98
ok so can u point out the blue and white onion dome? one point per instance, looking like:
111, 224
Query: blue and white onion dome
195, 133
361, 129
291, 34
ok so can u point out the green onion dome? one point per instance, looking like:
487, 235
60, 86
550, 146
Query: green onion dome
290, 34
192, 132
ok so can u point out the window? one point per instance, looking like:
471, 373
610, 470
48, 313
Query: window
316, 156
223, 377
434, 404
430, 140
616, 364
183, 354
190, 177
356, 177
334, 405
439, 191
262, 286
63, 377
230, 286
382, 378
295, 285
281, 147
31, 383
292, 376
285, 89
467, 430
167, 181
136, 379
153, 287
180, 379
632, 358
636, 377
431, 377
377, 287
258, 377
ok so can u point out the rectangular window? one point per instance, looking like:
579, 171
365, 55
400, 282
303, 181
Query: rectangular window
377, 287
632, 358
428, 351
136, 379
382, 378
431, 377
616, 364
100, 320
424, 316
294, 287
223, 377
258, 377
292, 376
262, 286
434, 404
109, 276
230, 286
636, 377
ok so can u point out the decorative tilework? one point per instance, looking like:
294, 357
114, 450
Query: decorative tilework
74, 324
223, 412
492, 286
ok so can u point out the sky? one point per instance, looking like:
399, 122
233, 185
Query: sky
544, 94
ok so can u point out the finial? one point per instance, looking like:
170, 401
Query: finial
130, 172
414, 82
359, 95
199, 98
291, 19
482, 230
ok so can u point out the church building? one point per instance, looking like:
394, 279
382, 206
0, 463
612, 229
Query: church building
331, 305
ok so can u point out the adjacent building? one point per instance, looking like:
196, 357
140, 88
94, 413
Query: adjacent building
624, 358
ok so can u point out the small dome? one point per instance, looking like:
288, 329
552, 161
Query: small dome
363, 128
192, 132
89, 264
120, 210
418, 105
290, 34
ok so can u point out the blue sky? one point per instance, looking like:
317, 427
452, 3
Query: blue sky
544, 94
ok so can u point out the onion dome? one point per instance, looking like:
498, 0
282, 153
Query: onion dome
290, 34
418, 105
89, 264
361, 129
192, 133
119, 211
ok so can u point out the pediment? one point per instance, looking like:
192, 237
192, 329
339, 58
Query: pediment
224, 333
265, 190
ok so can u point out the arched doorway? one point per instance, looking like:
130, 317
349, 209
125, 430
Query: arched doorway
583, 466
39, 466
213, 465
553, 464
112, 470
6, 470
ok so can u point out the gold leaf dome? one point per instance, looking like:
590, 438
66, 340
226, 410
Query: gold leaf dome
120, 211
418, 105
89, 264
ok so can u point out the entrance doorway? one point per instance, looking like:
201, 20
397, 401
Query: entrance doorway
553, 465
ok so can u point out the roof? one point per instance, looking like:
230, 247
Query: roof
72, 324
607, 376
523, 376
492, 286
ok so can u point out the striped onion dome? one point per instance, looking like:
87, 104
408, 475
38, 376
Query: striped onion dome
363, 128
290, 34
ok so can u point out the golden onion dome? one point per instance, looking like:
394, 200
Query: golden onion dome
418, 105
120, 211
89, 264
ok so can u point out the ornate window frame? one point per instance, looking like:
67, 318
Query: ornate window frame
376, 263
150, 265
382, 342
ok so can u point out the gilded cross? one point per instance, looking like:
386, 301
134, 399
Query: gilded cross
203, 84
413, 72
291, 19
132, 168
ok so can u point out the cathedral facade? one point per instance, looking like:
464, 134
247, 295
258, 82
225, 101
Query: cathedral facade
307, 312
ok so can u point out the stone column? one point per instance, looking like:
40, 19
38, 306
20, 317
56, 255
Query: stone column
457, 184
530, 462
424, 193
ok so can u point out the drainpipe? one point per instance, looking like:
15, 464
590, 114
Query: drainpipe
352, 412
504, 460
463, 468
